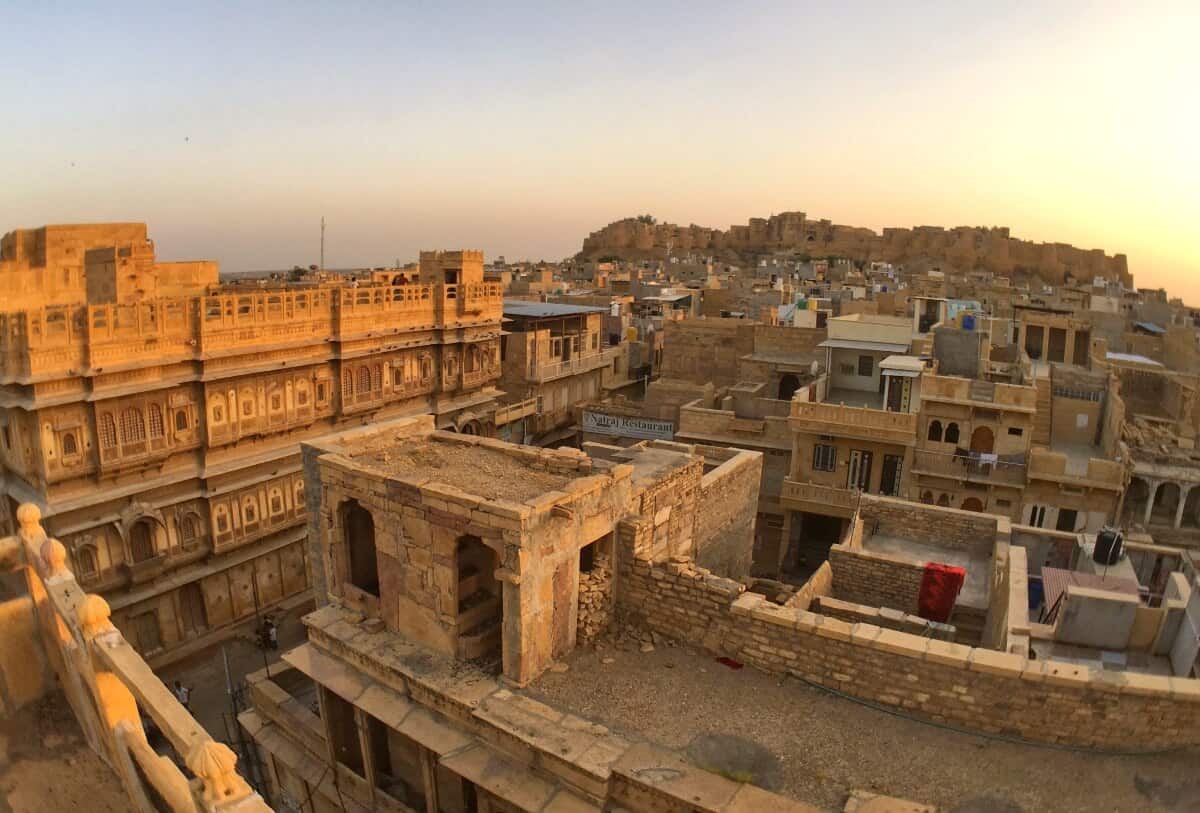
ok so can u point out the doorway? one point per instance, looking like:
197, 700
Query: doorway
480, 603
982, 440
788, 384
859, 476
1066, 520
191, 609
889, 479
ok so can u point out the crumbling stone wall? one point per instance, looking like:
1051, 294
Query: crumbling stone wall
595, 601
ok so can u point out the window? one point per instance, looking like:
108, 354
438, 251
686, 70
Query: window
222, 519
595, 341
133, 425
181, 420
189, 530
1016, 431
276, 402
866, 366
824, 457
347, 384
141, 541
377, 378
249, 511
321, 396
156, 421
69, 445
846, 369
276, 501
364, 380
935, 431
359, 528
85, 561
1037, 515
952, 433
247, 405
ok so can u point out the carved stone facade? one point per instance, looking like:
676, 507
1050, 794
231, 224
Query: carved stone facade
160, 434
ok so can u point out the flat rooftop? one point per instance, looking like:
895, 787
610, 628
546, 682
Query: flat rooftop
479, 470
808, 744
976, 561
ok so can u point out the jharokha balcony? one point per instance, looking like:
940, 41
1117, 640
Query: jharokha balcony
60, 639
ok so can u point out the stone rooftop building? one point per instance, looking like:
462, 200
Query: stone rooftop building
155, 416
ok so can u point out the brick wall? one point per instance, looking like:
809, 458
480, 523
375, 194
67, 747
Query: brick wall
874, 580
971, 688
725, 516
929, 524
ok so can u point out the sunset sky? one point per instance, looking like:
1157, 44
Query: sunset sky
232, 129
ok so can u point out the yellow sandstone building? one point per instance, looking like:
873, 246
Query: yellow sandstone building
155, 415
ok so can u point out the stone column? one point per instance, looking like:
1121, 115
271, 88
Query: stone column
1153, 489
1183, 492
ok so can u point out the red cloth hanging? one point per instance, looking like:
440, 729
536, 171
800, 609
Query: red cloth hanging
940, 585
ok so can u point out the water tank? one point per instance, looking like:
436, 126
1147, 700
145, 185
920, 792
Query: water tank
968, 321
1110, 544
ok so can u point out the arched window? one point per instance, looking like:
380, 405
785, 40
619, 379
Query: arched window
181, 420
935, 431
347, 384
301, 393
249, 511
952, 433
364, 380
156, 421
141, 541
927, 498
217, 408
69, 445
133, 425
221, 518
108, 431
85, 561
189, 530
298, 495
247, 403
377, 377
426, 368
276, 501
359, 529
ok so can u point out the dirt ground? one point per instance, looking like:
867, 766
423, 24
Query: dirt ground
204, 674
46, 765
808, 744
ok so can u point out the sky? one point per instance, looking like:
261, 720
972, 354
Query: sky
517, 128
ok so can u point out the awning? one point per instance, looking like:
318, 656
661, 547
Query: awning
854, 344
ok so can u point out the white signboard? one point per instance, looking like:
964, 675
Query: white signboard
625, 426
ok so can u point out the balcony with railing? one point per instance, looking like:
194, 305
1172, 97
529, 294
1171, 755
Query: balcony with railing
265, 319
120, 335
548, 371
111, 689
854, 421
798, 496
381, 309
507, 413
971, 467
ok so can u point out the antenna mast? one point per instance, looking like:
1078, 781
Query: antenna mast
322, 244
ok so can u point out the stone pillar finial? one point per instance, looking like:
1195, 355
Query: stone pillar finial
216, 766
29, 525
54, 557
93, 615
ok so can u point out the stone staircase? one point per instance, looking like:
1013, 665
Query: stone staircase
1041, 421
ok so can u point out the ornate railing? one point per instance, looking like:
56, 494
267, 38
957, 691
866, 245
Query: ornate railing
111, 689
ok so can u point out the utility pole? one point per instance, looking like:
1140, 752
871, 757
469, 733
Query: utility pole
322, 243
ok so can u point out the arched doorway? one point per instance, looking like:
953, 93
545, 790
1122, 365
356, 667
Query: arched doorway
359, 528
1137, 495
972, 504
788, 384
1191, 508
141, 541
982, 440
1166, 503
